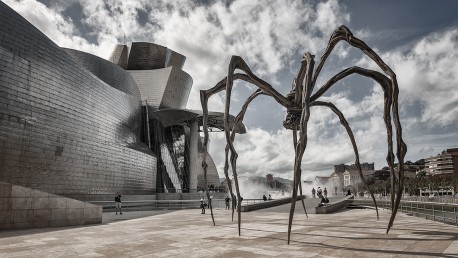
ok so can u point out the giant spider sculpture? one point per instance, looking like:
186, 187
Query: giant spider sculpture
298, 103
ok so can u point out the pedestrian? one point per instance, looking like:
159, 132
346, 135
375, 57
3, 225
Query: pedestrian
264, 197
227, 200
202, 205
348, 192
325, 192
319, 192
270, 198
313, 192
118, 203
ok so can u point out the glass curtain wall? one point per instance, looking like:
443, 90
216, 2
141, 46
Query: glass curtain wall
171, 146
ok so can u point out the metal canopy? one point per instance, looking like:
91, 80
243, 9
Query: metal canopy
174, 116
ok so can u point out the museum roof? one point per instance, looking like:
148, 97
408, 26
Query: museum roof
173, 116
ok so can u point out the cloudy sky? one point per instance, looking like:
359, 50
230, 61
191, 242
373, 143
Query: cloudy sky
417, 39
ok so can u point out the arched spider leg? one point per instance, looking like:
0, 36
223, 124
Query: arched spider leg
302, 143
204, 96
237, 122
388, 89
343, 33
236, 63
300, 183
345, 124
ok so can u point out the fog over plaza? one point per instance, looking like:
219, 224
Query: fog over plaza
418, 40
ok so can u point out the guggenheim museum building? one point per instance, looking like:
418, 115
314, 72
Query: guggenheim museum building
76, 125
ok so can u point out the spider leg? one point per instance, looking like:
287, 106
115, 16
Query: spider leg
344, 122
390, 103
300, 183
302, 143
343, 33
204, 96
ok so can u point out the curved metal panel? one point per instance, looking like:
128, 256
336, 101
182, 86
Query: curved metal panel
63, 130
177, 90
106, 71
119, 56
146, 56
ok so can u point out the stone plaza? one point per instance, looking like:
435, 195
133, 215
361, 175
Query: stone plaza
350, 233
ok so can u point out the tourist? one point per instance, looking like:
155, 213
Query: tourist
264, 197
325, 192
313, 192
348, 192
202, 205
324, 201
270, 198
319, 192
118, 203
227, 200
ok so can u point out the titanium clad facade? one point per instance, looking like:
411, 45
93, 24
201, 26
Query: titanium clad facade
63, 129
163, 88
119, 56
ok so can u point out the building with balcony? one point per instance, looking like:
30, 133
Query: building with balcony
445, 162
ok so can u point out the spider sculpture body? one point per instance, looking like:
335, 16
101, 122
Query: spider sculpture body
298, 104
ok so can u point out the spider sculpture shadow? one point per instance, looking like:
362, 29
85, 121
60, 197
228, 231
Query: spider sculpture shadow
298, 103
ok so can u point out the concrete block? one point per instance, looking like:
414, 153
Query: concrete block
74, 204
36, 194
23, 216
75, 222
26, 224
5, 190
90, 213
74, 214
58, 203
6, 204
41, 203
6, 226
19, 191
22, 203
42, 215
6, 217
58, 223
59, 214
41, 224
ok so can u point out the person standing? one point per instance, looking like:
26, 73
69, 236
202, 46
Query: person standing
319, 192
227, 200
325, 192
313, 192
118, 203
202, 205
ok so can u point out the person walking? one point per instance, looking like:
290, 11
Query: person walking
202, 205
227, 200
325, 192
319, 192
313, 192
118, 203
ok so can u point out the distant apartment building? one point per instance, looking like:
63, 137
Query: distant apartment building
444, 163
337, 177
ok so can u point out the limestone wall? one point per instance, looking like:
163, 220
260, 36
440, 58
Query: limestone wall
22, 207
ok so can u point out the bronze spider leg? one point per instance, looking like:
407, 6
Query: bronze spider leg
387, 88
300, 183
302, 143
204, 96
343, 33
237, 122
236, 63
345, 124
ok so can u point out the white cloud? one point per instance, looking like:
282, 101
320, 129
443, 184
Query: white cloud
427, 74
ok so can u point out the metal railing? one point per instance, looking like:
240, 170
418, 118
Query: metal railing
158, 204
443, 212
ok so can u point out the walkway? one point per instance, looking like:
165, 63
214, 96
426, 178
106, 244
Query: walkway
187, 233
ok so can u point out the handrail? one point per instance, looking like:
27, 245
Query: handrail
443, 212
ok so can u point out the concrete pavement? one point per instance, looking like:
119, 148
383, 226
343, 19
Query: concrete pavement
350, 233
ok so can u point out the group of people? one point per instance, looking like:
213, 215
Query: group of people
265, 198
322, 194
